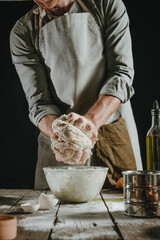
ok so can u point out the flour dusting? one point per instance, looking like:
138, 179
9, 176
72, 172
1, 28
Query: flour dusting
37, 223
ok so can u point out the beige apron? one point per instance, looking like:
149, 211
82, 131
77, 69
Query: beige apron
69, 44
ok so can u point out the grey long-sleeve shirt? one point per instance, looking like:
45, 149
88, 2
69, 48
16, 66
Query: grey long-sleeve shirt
111, 16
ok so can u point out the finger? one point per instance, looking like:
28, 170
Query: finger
63, 117
61, 157
94, 136
85, 156
87, 130
54, 136
64, 156
79, 123
76, 158
90, 131
71, 117
89, 125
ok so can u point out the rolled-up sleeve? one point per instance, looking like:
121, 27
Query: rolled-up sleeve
32, 74
118, 52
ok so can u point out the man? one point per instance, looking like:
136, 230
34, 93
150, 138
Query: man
76, 56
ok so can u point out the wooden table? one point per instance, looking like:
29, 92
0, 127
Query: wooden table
102, 218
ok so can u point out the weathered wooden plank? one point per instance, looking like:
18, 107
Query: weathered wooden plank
83, 221
135, 227
35, 226
13, 192
132, 227
9, 198
3, 192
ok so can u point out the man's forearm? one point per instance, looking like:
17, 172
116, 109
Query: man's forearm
45, 124
102, 109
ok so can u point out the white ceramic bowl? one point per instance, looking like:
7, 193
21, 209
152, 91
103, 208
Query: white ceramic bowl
75, 183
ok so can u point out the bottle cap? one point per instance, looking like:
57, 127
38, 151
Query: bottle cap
155, 109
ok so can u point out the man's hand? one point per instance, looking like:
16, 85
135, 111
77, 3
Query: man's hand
45, 124
78, 157
84, 124
73, 153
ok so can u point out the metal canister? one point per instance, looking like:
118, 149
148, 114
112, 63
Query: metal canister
142, 193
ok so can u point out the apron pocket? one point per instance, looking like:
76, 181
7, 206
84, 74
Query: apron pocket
114, 150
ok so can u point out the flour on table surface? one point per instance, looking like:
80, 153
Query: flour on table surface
37, 223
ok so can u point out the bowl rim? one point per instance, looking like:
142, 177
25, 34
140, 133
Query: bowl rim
78, 168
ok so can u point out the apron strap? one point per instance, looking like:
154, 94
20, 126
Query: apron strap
83, 6
98, 17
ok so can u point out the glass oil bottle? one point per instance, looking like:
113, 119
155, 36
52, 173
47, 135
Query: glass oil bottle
153, 140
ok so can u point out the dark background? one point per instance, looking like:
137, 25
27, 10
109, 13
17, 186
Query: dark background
19, 135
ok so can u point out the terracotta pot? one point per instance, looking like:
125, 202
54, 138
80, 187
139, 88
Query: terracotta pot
8, 227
